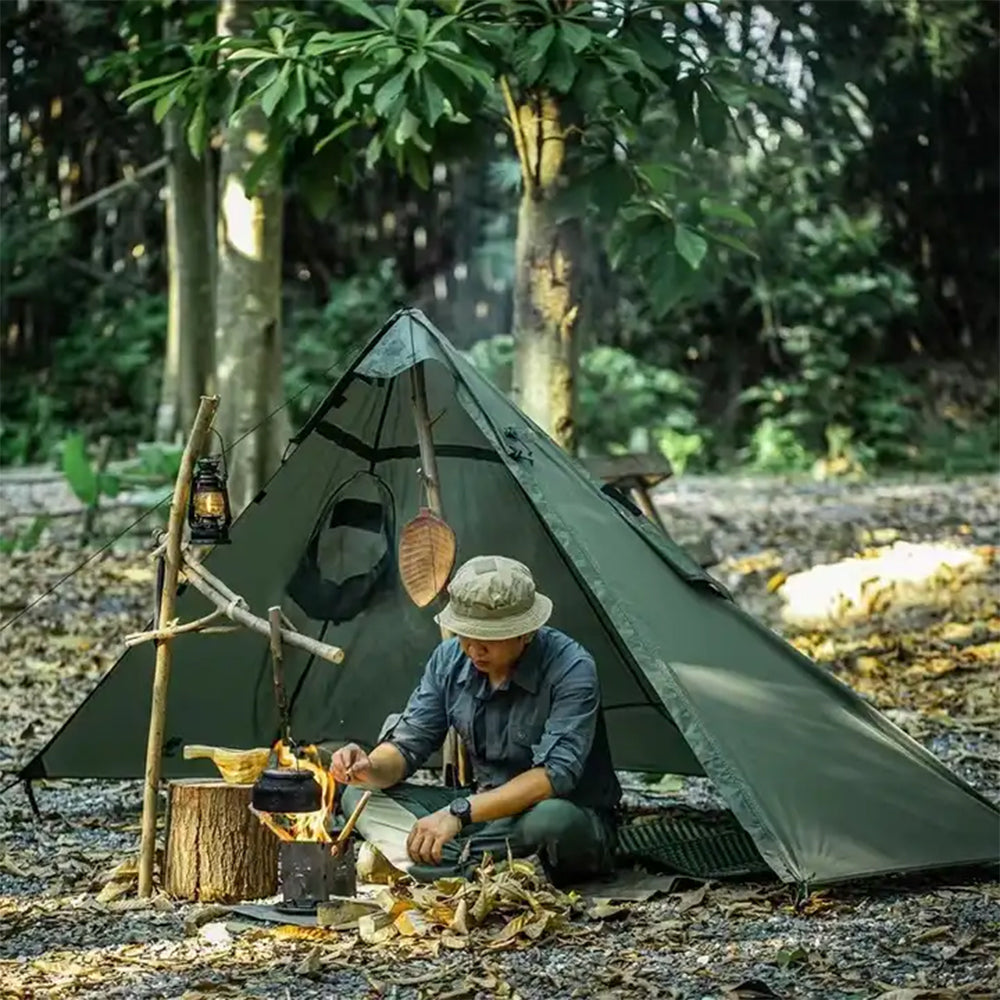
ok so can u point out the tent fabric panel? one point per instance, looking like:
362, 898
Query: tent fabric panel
664, 618
356, 715
847, 798
209, 699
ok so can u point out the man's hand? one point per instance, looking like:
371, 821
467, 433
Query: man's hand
430, 834
350, 765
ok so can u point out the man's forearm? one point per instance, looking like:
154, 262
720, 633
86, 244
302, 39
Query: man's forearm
512, 797
388, 766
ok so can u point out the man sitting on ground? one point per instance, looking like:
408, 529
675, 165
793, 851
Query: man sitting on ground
526, 702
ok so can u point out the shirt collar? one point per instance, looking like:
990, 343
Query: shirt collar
525, 674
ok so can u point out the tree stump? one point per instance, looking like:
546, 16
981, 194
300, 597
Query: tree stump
216, 849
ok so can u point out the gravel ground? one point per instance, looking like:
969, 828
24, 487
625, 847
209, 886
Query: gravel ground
901, 939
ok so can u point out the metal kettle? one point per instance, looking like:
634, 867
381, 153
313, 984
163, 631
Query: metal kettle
286, 790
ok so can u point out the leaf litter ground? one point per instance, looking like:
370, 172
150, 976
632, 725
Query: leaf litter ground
71, 927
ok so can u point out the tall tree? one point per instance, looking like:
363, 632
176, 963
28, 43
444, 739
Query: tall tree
189, 362
576, 80
248, 292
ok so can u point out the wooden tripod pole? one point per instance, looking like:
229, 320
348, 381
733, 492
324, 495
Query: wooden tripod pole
453, 747
161, 677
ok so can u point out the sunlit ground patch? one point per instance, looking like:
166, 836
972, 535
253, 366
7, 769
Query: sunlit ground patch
882, 580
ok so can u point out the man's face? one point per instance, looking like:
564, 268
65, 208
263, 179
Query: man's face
493, 655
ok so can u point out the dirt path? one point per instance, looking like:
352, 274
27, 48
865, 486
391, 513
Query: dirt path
925, 939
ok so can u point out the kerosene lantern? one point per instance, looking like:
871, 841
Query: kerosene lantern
209, 515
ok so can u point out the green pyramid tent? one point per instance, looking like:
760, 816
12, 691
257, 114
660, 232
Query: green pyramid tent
826, 786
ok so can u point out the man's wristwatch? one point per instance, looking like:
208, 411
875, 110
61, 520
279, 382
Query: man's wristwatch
462, 808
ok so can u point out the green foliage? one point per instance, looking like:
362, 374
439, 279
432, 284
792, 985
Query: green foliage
831, 299
412, 84
26, 538
320, 341
85, 480
103, 379
620, 400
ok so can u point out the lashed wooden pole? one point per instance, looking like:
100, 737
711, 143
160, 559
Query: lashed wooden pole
161, 678
428, 468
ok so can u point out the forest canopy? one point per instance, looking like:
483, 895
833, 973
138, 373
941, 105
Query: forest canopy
781, 217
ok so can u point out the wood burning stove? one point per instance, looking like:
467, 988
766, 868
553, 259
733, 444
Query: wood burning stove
309, 874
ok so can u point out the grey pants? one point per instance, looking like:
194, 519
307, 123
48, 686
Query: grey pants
572, 842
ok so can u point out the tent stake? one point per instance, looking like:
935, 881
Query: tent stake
453, 749
161, 677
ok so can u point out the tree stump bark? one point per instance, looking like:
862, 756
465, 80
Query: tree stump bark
216, 849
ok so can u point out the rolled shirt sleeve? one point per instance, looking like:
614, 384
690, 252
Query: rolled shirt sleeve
423, 725
572, 721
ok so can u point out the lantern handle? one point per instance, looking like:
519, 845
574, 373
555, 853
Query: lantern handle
222, 451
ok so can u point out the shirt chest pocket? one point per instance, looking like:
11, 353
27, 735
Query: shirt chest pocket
525, 726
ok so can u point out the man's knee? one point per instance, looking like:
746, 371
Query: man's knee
552, 820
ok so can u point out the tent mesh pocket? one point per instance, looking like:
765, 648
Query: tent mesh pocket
708, 847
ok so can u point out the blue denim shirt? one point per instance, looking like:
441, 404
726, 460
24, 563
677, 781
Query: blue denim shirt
548, 714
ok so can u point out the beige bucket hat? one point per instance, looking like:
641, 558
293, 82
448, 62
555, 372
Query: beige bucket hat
492, 597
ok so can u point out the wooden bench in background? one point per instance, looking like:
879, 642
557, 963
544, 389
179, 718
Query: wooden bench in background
633, 473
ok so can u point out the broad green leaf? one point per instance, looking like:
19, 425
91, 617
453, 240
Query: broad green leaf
439, 25
143, 85
277, 38
336, 133
626, 97
668, 281
661, 177
108, 484
276, 90
690, 245
295, 102
616, 245
534, 51
612, 186
364, 10
647, 37
465, 70
734, 244
418, 21
722, 211
389, 92
408, 127
576, 35
419, 168
78, 470
236, 55
713, 118
164, 104
417, 61
560, 68
324, 42
433, 99
197, 130
353, 76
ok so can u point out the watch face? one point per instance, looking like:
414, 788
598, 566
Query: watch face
461, 808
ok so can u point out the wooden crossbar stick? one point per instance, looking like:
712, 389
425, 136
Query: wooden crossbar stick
235, 610
169, 631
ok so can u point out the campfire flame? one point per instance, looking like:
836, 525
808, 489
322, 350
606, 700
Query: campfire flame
303, 826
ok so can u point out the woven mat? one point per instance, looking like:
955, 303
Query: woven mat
708, 845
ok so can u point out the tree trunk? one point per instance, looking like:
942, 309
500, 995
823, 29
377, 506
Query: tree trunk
190, 357
248, 297
216, 849
545, 308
